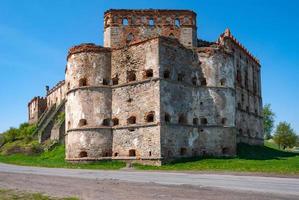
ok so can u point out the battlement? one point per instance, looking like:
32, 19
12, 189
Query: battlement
57, 86
228, 34
150, 17
123, 27
86, 47
35, 99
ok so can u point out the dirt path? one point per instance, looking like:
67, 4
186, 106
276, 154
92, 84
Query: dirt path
87, 189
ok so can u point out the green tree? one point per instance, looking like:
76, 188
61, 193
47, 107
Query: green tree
285, 136
268, 121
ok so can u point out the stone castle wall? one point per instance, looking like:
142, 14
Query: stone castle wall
88, 107
194, 101
249, 120
155, 93
56, 95
36, 107
124, 27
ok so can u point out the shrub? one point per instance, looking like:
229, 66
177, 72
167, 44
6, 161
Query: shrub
60, 118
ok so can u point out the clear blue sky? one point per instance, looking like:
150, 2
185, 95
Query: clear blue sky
35, 36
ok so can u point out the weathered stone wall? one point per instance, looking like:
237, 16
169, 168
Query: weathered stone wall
179, 141
88, 144
136, 98
88, 107
124, 27
145, 140
56, 95
58, 132
36, 107
197, 97
249, 119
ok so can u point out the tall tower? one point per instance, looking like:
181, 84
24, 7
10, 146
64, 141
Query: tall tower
124, 27
88, 107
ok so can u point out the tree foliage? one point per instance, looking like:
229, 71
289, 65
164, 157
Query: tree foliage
269, 116
285, 136
25, 131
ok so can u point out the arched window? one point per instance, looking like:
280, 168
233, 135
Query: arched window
222, 82
195, 121
225, 150
181, 76
83, 154
177, 23
82, 82
115, 121
148, 73
115, 154
68, 124
125, 22
203, 121
166, 74
130, 37
131, 76
68, 85
183, 151
82, 122
105, 82
131, 120
182, 119
151, 22
223, 121
167, 118
132, 152
203, 82
115, 80
106, 122
150, 117
150, 154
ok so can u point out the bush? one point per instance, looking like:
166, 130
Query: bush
25, 131
60, 118
20, 140
21, 147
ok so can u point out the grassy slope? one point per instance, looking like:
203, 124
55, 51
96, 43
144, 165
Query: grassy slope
55, 158
11, 194
249, 159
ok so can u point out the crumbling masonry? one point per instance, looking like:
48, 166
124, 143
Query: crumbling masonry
154, 92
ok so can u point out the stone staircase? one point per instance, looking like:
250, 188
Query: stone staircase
47, 121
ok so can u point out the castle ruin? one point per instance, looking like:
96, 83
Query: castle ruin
154, 93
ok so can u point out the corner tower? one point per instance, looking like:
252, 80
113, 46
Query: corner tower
88, 107
124, 27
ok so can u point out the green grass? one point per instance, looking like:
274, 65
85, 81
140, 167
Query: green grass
55, 159
249, 159
18, 195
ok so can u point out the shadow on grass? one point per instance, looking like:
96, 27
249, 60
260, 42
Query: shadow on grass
247, 152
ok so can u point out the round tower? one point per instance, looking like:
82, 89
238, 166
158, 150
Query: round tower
88, 106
